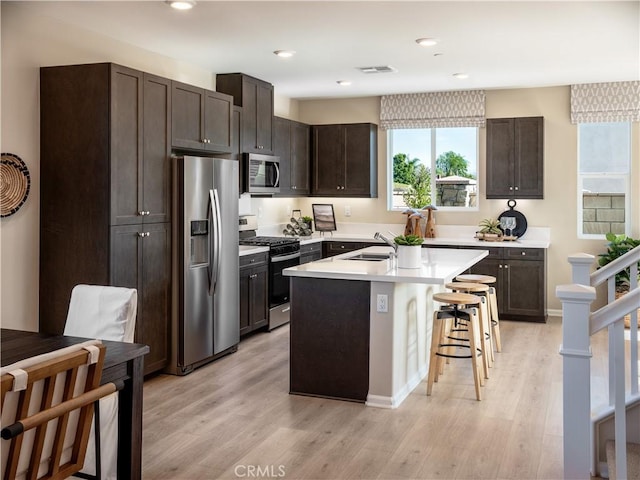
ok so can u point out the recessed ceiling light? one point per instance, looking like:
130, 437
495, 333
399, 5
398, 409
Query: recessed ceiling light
344, 83
181, 4
461, 75
426, 42
284, 53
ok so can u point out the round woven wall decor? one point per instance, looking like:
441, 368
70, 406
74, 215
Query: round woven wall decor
14, 184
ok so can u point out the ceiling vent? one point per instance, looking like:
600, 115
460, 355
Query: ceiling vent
381, 69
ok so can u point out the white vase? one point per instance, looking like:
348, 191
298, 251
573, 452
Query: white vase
409, 256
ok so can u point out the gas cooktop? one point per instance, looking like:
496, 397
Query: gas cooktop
267, 241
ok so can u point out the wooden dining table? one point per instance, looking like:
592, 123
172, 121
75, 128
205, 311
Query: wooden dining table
123, 361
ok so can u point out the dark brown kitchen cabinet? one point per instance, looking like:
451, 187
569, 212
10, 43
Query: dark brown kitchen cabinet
201, 119
254, 301
140, 147
345, 160
256, 99
141, 259
520, 281
291, 144
105, 139
515, 149
310, 252
332, 248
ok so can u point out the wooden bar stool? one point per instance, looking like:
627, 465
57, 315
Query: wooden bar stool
441, 345
482, 291
493, 302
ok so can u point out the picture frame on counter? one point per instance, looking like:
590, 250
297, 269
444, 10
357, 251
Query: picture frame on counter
323, 217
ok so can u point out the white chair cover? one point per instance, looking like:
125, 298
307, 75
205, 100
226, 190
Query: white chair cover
107, 313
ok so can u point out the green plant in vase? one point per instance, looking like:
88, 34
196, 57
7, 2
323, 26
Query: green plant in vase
408, 240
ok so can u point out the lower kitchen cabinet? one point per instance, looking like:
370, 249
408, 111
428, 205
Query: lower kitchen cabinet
520, 281
329, 249
254, 293
141, 259
310, 252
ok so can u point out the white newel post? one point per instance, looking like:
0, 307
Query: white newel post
581, 268
576, 394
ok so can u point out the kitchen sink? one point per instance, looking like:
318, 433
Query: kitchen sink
370, 257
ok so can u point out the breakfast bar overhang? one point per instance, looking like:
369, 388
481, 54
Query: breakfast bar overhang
361, 330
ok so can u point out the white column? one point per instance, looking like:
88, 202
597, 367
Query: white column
576, 395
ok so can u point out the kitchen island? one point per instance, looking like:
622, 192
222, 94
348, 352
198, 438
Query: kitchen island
360, 329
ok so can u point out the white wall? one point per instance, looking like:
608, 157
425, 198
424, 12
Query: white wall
30, 41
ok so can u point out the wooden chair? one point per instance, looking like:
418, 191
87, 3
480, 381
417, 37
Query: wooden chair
47, 406
441, 344
493, 302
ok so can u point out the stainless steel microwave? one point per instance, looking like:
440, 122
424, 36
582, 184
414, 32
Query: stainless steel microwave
262, 173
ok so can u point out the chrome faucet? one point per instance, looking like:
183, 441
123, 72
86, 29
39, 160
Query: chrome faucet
379, 236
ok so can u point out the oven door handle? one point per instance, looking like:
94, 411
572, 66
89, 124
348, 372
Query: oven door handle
284, 258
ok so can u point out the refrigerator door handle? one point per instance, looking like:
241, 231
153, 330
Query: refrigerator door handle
215, 237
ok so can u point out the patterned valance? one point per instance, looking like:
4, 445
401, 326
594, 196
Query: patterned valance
605, 102
433, 109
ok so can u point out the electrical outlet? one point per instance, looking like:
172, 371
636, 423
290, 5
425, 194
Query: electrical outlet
382, 303
347, 211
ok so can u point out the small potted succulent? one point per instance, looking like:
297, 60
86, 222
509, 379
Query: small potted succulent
489, 230
409, 251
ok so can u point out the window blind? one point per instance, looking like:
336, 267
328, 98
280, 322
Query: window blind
464, 108
605, 102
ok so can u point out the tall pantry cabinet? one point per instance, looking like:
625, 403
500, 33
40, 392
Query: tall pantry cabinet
105, 203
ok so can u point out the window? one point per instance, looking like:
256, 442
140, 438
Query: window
414, 154
604, 159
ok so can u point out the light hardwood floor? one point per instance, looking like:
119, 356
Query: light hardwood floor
235, 417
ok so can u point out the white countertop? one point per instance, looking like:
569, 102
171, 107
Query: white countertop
252, 249
439, 266
455, 235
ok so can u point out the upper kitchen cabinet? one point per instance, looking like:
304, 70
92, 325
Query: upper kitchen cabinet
515, 148
256, 99
201, 119
345, 161
291, 142
104, 168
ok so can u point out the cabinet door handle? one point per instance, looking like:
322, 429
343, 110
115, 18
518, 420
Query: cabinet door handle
523, 253
141, 213
510, 188
143, 234
517, 188
506, 266
499, 266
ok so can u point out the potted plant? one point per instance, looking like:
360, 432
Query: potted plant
306, 219
490, 230
619, 245
409, 250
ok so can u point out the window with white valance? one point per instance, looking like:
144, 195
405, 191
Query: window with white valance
605, 102
433, 110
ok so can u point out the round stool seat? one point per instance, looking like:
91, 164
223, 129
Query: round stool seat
467, 287
474, 278
454, 298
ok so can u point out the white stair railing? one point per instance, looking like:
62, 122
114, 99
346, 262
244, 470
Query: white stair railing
578, 325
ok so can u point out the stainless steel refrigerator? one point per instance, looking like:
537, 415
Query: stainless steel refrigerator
205, 296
